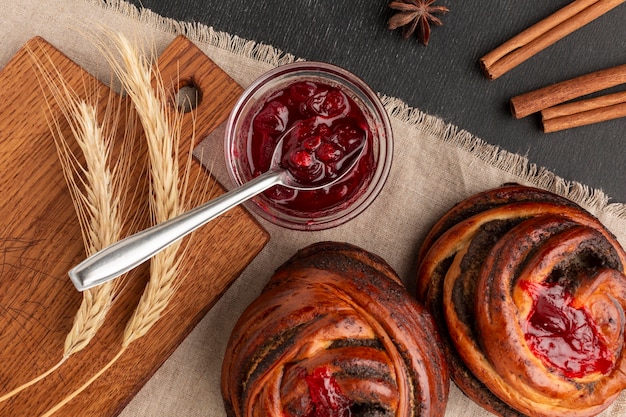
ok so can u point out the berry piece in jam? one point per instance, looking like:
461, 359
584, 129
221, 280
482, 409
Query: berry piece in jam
328, 103
302, 91
349, 136
562, 336
272, 119
312, 144
328, 153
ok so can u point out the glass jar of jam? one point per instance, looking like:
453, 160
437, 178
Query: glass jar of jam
335, 115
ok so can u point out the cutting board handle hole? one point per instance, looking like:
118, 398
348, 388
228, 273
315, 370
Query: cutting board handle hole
188, 96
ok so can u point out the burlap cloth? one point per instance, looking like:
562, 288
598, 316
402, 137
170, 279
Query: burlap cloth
435, 165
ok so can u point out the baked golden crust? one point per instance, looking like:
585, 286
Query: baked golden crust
474, 274
340, 312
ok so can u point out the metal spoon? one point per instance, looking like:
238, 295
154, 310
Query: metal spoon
121, 257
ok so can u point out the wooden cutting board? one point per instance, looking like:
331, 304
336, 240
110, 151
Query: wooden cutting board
40, 240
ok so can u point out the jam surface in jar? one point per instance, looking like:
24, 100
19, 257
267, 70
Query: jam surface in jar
562, 336
329, 134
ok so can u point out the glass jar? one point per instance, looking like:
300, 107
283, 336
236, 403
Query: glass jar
341, 106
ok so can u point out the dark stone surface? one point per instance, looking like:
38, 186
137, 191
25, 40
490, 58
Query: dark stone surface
444, 79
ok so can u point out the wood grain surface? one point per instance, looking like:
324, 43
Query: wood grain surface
40, 240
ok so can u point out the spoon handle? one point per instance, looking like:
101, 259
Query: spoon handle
130, 252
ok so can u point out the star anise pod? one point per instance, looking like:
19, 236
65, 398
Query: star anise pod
415, 14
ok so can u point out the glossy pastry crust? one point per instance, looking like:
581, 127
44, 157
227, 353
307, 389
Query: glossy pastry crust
334, 325
474, 274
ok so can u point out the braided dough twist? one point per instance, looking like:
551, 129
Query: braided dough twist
334, 332
510, 275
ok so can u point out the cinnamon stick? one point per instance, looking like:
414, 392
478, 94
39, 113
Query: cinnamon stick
574, 107
551, 95
543, 34
584, 112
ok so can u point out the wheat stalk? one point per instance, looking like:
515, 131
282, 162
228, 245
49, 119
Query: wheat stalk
96, 196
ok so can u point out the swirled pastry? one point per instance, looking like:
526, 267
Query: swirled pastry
334, 333
528, 291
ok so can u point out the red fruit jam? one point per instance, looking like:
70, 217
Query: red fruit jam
331, 130
326, 396
562, 336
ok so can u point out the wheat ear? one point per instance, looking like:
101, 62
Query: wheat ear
97, 192
161, 127
162, 130
96, 197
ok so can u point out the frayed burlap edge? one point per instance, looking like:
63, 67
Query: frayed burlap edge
511, 163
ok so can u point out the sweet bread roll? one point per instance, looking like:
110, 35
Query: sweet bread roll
334, 333
528, 292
